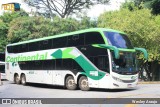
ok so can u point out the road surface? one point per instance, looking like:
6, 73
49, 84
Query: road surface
11, 90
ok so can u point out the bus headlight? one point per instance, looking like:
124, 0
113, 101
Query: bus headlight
117, 79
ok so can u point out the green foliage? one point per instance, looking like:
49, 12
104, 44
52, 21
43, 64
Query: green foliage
5, 20
155, 4
86, 22
130, 6
26, 28
3, 33
150, 4
141, 26
7, 17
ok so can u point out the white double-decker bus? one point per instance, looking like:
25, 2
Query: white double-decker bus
91, 58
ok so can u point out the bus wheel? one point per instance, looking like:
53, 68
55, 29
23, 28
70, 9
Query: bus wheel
83, 84
70, 83
16, 79
23, 79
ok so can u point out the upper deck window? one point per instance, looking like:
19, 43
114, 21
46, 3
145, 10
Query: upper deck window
118, 40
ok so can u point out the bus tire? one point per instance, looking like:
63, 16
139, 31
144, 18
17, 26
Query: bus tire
83, 83
70, 83
16, 79
23, 79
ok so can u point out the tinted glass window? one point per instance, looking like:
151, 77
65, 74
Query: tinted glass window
46, 44
59, 64
2, 57
59, 42
67, 64
93, 38
2, 68
101, 62
89, 51
15, 48
76, 40
48, 64
24, 65
126, 63
10, 49
38, 65
23, 48
118, 40
34, 46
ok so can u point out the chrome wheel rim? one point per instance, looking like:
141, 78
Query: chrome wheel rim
84, 83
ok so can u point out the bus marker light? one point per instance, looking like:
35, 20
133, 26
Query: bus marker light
107, 74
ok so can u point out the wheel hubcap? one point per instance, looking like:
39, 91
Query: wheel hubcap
84, 83
71, 83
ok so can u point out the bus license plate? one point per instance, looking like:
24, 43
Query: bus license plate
129, 85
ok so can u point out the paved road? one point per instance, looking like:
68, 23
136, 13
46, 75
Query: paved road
11, 90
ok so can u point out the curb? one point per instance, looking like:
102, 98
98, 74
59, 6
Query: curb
149, 82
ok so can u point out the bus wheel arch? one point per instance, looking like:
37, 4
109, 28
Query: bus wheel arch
16, 78
23, 79
83, 83
70, 82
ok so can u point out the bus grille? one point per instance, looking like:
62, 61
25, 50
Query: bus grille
128, 81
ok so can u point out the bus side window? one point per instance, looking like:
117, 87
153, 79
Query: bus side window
38, 65
23, 65
93, 38
34, 46
45, 44
23, 48
2, 68
49, 64
59, 65
102, 63
67, 64
76, 40
76, 66
16, 48
10, 49
30, 65
59, 42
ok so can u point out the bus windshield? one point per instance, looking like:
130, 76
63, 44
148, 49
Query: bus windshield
118, 40
126, 64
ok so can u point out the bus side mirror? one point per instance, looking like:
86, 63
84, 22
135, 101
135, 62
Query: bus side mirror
144, 51
115, 49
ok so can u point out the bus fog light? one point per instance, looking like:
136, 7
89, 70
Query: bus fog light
116, 85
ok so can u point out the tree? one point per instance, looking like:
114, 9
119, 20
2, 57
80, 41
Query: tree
3, 37
151, 4
5, 20
7, 17
26, 28
155, 7
63, 8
